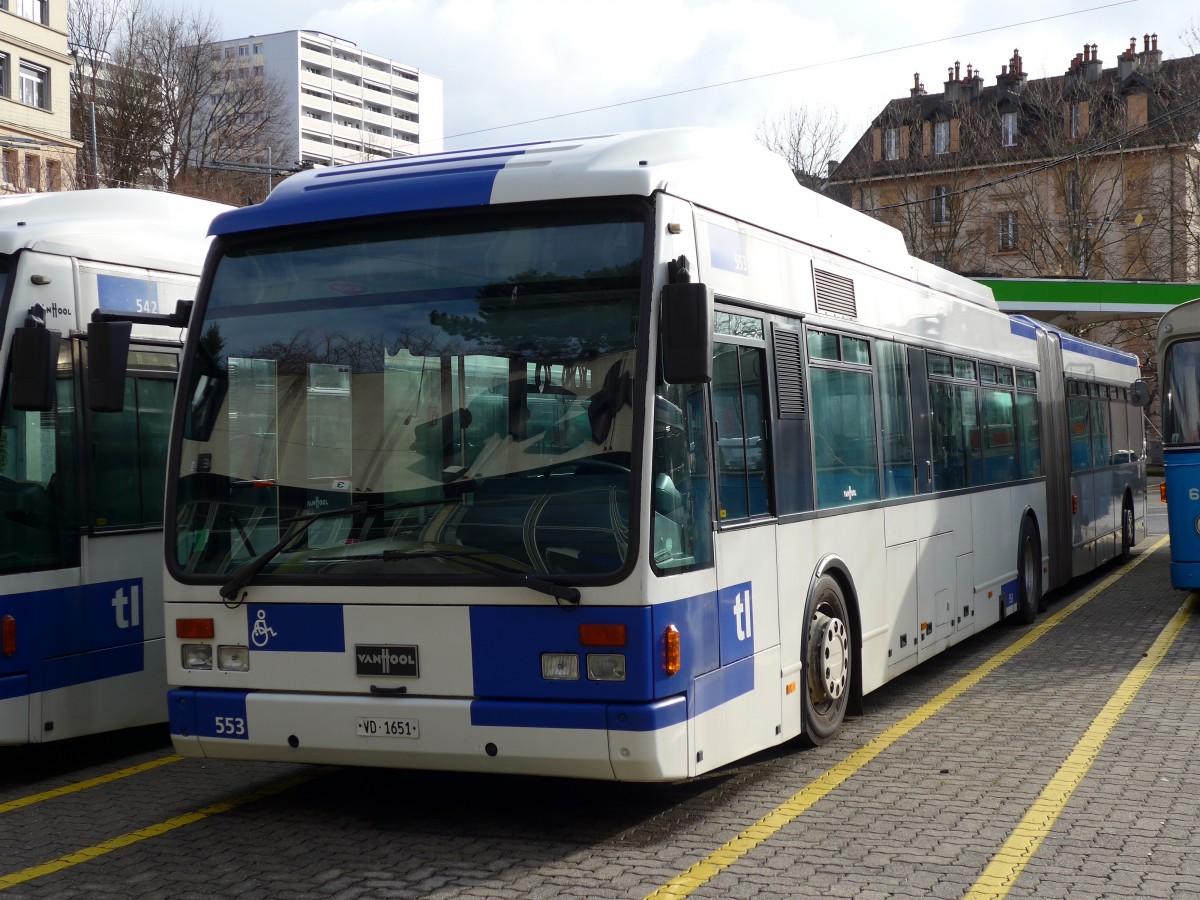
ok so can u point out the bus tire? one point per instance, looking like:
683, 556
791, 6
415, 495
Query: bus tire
1128, 537
827, 661
1029, 574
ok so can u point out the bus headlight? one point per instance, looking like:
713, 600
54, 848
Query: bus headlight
197, 656
560, 666
233, 658
606, 666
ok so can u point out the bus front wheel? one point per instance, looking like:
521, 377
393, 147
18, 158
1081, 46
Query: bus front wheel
827, 661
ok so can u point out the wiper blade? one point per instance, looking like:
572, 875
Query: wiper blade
477, 560
247, 572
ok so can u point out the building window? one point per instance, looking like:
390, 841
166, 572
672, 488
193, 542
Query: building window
1073, 196
1008, 231
33, 10
34, 81
1008, 129
229, 51
891, 143
8, 167
941, 137
33, 173
4, 92
1074, 123
258, 48
941, 205
53, 175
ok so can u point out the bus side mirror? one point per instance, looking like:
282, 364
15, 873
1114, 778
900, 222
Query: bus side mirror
685, 331
108, 358
1139, 394
34, 368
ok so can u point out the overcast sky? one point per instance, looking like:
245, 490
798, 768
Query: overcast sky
505, 62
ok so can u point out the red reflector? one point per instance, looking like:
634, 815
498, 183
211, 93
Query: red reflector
602, 635
194, 628
8, 636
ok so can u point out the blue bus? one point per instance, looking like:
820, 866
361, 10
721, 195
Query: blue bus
1178, 354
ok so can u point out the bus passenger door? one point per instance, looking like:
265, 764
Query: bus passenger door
738, 704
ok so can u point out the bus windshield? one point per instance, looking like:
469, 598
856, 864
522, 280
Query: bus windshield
1181, 393
461, 388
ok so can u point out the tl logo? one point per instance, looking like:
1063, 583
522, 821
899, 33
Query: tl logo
128, 607
743, 614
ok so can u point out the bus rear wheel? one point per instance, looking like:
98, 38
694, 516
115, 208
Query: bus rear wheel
1029, 574
1127, 534
827, 661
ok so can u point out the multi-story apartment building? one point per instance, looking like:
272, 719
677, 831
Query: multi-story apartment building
36, 150
341, 104
1094, 173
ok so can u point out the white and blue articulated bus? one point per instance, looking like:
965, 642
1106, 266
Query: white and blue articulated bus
1179, 382
621, 457
82, 467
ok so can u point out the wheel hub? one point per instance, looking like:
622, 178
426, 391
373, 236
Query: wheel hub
832, 657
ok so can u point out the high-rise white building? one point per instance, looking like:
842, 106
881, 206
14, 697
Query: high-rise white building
342, 104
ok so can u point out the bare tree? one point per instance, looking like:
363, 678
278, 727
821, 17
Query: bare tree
807, 138
167, 108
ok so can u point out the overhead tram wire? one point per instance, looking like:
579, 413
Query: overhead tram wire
816, 65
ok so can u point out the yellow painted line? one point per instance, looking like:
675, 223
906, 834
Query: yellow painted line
700, 873
1012, 858
151, 831
85, 785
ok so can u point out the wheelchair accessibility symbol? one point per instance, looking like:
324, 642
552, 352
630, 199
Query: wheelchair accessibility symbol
261, 633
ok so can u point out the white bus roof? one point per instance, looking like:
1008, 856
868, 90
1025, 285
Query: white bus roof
145, 228
711, 168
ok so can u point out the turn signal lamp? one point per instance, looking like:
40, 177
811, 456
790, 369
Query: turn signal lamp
1162, 491
602, 635
194, 629
8, 636
1075, 504
671, 658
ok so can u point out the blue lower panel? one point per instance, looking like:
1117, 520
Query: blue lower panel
14, 686
84, 667
724, 684
1185, 575
592, 716
219, 714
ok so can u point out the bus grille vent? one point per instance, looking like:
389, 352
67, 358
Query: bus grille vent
835, 294
789, 374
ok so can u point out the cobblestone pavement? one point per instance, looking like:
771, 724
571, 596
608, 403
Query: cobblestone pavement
923, 818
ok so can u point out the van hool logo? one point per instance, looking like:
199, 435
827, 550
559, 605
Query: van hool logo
373, 659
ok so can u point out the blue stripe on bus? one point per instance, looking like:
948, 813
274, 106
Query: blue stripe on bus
1023, 326
296, 627
722, 685
74, 635
14, 686
363, 191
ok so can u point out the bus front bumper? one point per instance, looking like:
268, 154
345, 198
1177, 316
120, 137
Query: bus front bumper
625, 742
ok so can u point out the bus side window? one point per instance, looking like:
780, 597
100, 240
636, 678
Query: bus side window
39, 526
129, 456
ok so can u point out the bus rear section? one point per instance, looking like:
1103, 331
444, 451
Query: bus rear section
81, 481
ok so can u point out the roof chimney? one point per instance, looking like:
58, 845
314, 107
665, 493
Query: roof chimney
1092, 66
953, 87
1150, 59
918, 89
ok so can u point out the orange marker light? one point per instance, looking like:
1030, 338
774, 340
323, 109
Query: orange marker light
671, 658
194, 629
8, 636
1162, 491
602, 635
1074, 504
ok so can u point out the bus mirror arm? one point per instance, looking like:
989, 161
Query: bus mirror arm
1139, 394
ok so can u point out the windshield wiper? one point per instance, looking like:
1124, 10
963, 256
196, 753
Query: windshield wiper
477, 560
247, 571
